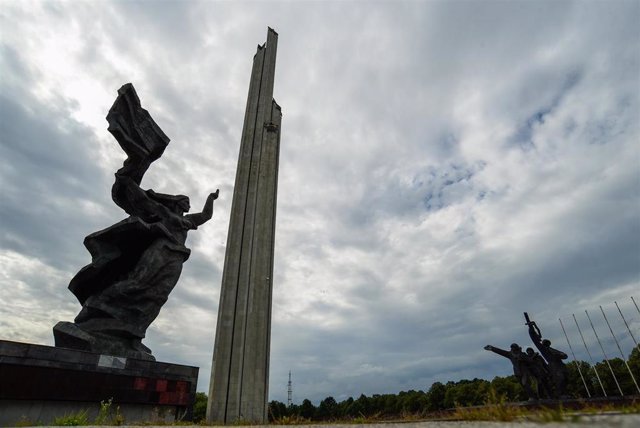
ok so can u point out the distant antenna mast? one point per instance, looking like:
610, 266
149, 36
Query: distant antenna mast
289, 392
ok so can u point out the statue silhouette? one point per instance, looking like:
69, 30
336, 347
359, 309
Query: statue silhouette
557, 369
136, 262
521, 368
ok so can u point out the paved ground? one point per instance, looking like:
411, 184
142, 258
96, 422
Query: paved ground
610, 420
605, 421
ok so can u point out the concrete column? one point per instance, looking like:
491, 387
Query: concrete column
240, 368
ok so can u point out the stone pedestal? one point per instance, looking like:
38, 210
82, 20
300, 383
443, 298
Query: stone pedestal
39, 383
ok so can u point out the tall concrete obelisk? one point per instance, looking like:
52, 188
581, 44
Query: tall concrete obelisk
239, 383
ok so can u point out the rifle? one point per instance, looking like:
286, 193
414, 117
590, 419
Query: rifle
532, 325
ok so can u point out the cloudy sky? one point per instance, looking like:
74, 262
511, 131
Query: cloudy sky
445, 166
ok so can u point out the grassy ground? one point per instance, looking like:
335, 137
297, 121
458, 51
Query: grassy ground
500, 411
552, 412
496, 411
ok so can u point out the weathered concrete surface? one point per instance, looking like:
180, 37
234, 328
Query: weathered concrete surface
240, 367
605, 421
14, 412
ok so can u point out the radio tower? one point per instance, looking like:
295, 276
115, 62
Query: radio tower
289, 392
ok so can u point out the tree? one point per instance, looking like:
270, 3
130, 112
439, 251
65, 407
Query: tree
200, 407
634, 363
344, 406
466, 393
435, 397
575, 385
411, 402
307, 409
365, 405
508, 388
621, 374
277, 410
328, 409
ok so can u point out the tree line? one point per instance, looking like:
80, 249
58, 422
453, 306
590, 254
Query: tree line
441, 396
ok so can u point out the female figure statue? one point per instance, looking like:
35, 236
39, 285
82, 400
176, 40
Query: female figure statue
136, 262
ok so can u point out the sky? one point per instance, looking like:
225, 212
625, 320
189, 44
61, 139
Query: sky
444, 167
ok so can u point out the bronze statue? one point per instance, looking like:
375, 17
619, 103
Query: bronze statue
540, 371
136, 262
557, 369
521, 368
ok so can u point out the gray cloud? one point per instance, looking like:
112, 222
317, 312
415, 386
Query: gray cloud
444, 167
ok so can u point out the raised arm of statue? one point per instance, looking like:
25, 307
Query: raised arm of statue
498, 351
533, 328
207, 211
534, 333
128, 195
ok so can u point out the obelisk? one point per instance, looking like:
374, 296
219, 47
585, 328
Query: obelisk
239, 383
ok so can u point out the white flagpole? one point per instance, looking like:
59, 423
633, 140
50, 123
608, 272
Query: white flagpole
620, 349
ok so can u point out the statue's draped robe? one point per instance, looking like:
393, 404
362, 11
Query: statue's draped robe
136, 264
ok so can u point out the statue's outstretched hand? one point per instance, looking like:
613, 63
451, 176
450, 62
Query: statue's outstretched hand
208, 205
488, 347
207, 211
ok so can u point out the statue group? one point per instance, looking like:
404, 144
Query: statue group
136, 262
542, 376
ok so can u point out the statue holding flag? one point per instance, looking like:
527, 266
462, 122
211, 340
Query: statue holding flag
136, 262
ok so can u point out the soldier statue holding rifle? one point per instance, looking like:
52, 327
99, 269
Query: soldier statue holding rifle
557, 369
549, 373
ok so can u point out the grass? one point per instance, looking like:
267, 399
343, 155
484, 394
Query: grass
107, 415
72, 419
291, 420
495, 409
632, 408
26, 422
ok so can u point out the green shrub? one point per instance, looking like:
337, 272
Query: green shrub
72, 419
